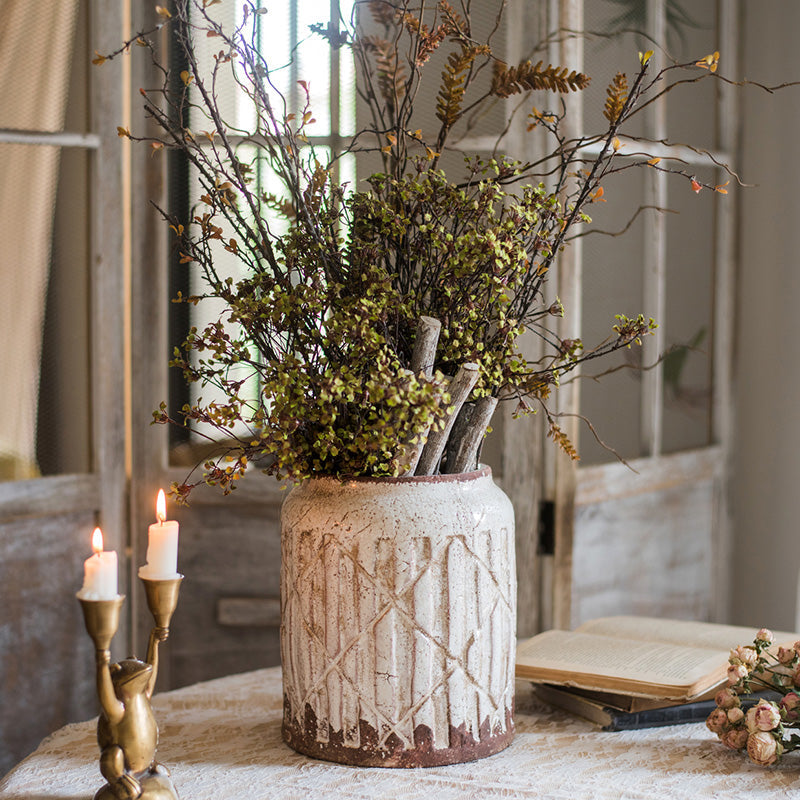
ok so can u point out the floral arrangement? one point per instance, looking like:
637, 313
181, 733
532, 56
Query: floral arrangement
765, 730
380, 321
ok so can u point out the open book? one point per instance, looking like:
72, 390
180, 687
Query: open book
648, 657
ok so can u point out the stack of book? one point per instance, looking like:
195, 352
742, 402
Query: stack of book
634, 672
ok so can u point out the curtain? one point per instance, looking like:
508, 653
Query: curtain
36, 41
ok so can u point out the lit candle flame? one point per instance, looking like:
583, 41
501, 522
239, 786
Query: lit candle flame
97, 541
161, 506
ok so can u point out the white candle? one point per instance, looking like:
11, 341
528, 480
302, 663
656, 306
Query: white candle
99, 572
162, 545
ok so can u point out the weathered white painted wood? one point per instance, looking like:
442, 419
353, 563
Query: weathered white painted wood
648, 554
108, 294
249, 612
149, 308
616, 481
46, 668
569, 327
59, 494
654, 258
725, 237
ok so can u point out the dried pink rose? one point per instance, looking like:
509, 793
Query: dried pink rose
738, 671
750, 720
717, 721
726, 698
785, 655
767, 715
765, 635
736, 738
790, 704
796, 675
746, 655
763, 748
735, 715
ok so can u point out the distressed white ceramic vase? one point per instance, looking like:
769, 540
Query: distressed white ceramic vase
398, 601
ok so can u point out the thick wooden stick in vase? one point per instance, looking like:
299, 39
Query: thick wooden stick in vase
467, 435
459, 390
424, 355
422, 360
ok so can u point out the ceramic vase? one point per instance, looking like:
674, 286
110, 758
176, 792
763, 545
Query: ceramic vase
398, 602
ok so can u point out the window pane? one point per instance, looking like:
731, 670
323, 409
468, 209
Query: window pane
45, 405
688, 326
612, 284
293, 53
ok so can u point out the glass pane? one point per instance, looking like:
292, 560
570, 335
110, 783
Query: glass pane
689, 324
691, 109
293, 53
612, 284
611, 46
44, 203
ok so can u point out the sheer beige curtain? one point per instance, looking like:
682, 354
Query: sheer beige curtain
36, 39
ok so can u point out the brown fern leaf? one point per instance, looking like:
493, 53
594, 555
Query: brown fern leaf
451, 91
391, 73
562, 440
526, 76
390, 69
429, 41
616, 97
280, 204
413, 24
383, 12
458, 27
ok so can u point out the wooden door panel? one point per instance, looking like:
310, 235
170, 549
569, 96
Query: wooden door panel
227, 619
47, 664
644, 543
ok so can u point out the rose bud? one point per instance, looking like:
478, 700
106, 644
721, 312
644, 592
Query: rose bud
736, 738
746, 655
762, 748
765, 635
726, 698
790, 704
717, 721
735, 715
736, 672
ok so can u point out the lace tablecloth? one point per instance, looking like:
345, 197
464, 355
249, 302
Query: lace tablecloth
222, 741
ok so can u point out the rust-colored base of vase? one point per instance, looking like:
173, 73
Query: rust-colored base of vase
463, 747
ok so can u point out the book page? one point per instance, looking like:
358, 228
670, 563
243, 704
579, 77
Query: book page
598, 662
681, 632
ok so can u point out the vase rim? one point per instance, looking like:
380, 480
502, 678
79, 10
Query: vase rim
483, 471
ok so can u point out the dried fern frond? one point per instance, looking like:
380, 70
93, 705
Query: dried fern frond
458, 27
562, 440
427, 40
451, 92
526, 76
390, 70
281, 205
383, 12
617, 96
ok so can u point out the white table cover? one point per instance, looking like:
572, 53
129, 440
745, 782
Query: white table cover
222, 741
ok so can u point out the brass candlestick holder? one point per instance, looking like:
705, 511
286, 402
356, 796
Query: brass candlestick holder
126, 730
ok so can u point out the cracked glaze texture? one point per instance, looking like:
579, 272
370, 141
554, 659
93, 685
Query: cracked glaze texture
398, 626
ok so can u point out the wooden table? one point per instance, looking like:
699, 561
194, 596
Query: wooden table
222, 739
